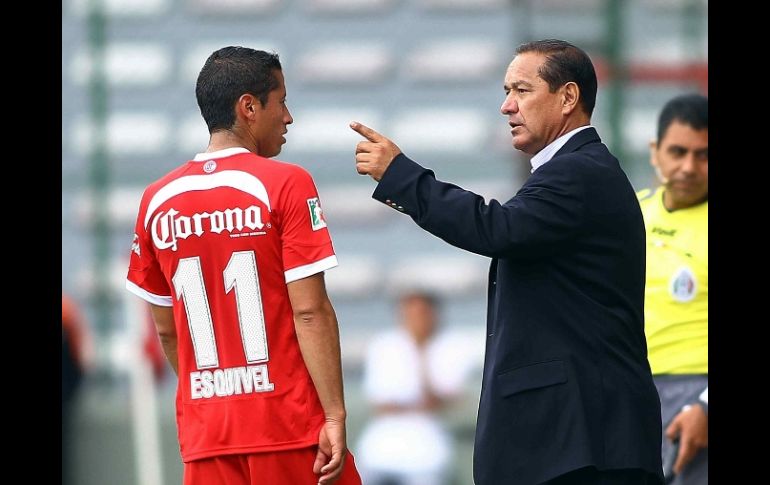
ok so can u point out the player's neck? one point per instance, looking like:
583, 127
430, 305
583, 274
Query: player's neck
221, 140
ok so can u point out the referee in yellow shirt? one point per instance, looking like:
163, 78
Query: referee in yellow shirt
676, 293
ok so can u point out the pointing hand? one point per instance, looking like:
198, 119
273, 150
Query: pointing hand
374, 155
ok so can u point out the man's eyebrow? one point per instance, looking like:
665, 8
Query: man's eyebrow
518, 84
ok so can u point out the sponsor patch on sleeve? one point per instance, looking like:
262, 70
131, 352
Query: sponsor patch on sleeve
135, 245
317, 220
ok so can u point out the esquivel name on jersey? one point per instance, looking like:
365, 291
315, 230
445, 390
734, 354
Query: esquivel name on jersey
230, 381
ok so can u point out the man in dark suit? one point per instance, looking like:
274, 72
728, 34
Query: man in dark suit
567, 395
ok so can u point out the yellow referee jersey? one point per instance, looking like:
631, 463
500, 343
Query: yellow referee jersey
676, 292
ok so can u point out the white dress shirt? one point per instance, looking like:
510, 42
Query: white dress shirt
549, 151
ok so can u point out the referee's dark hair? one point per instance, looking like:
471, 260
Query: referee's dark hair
566, 63
688, 109
229, 73
415, 293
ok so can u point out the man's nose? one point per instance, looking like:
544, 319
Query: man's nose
688, 163
509, 106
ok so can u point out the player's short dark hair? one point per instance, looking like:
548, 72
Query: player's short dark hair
228, 74
565, 63
688, 109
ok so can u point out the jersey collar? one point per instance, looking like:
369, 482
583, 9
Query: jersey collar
227, 152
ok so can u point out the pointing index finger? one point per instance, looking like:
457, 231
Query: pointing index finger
365, 131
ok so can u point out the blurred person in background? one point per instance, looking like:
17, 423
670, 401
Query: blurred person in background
676, 293
567, 393
230, 250
410, 374
76, 361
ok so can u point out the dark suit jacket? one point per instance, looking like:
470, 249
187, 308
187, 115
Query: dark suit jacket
566, 380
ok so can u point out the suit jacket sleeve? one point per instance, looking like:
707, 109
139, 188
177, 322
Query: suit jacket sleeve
546, 212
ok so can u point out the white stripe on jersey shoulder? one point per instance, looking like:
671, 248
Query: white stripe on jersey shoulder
236, 179
227, 152
300, 272
147, 296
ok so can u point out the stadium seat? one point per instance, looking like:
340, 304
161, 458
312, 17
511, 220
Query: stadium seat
440, 129
470, 60
126, 64
141, 133
345, 63
124, 8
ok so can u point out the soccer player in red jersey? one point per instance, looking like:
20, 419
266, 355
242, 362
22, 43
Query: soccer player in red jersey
230, 249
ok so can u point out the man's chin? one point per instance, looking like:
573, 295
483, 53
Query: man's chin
521, 146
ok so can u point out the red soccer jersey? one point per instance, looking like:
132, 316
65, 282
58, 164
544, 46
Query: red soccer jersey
218, 239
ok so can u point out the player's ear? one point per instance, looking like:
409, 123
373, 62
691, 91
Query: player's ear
654, 152
246, 106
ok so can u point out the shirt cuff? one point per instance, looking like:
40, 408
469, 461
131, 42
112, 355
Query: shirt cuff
159, 300
300, 272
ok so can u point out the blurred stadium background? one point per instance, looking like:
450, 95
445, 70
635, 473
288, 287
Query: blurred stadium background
427, 73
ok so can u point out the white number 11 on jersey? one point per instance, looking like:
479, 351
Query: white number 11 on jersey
240, 274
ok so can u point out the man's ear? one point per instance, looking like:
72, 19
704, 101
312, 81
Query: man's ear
570, 97
247, 106
655, 162
654, 153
